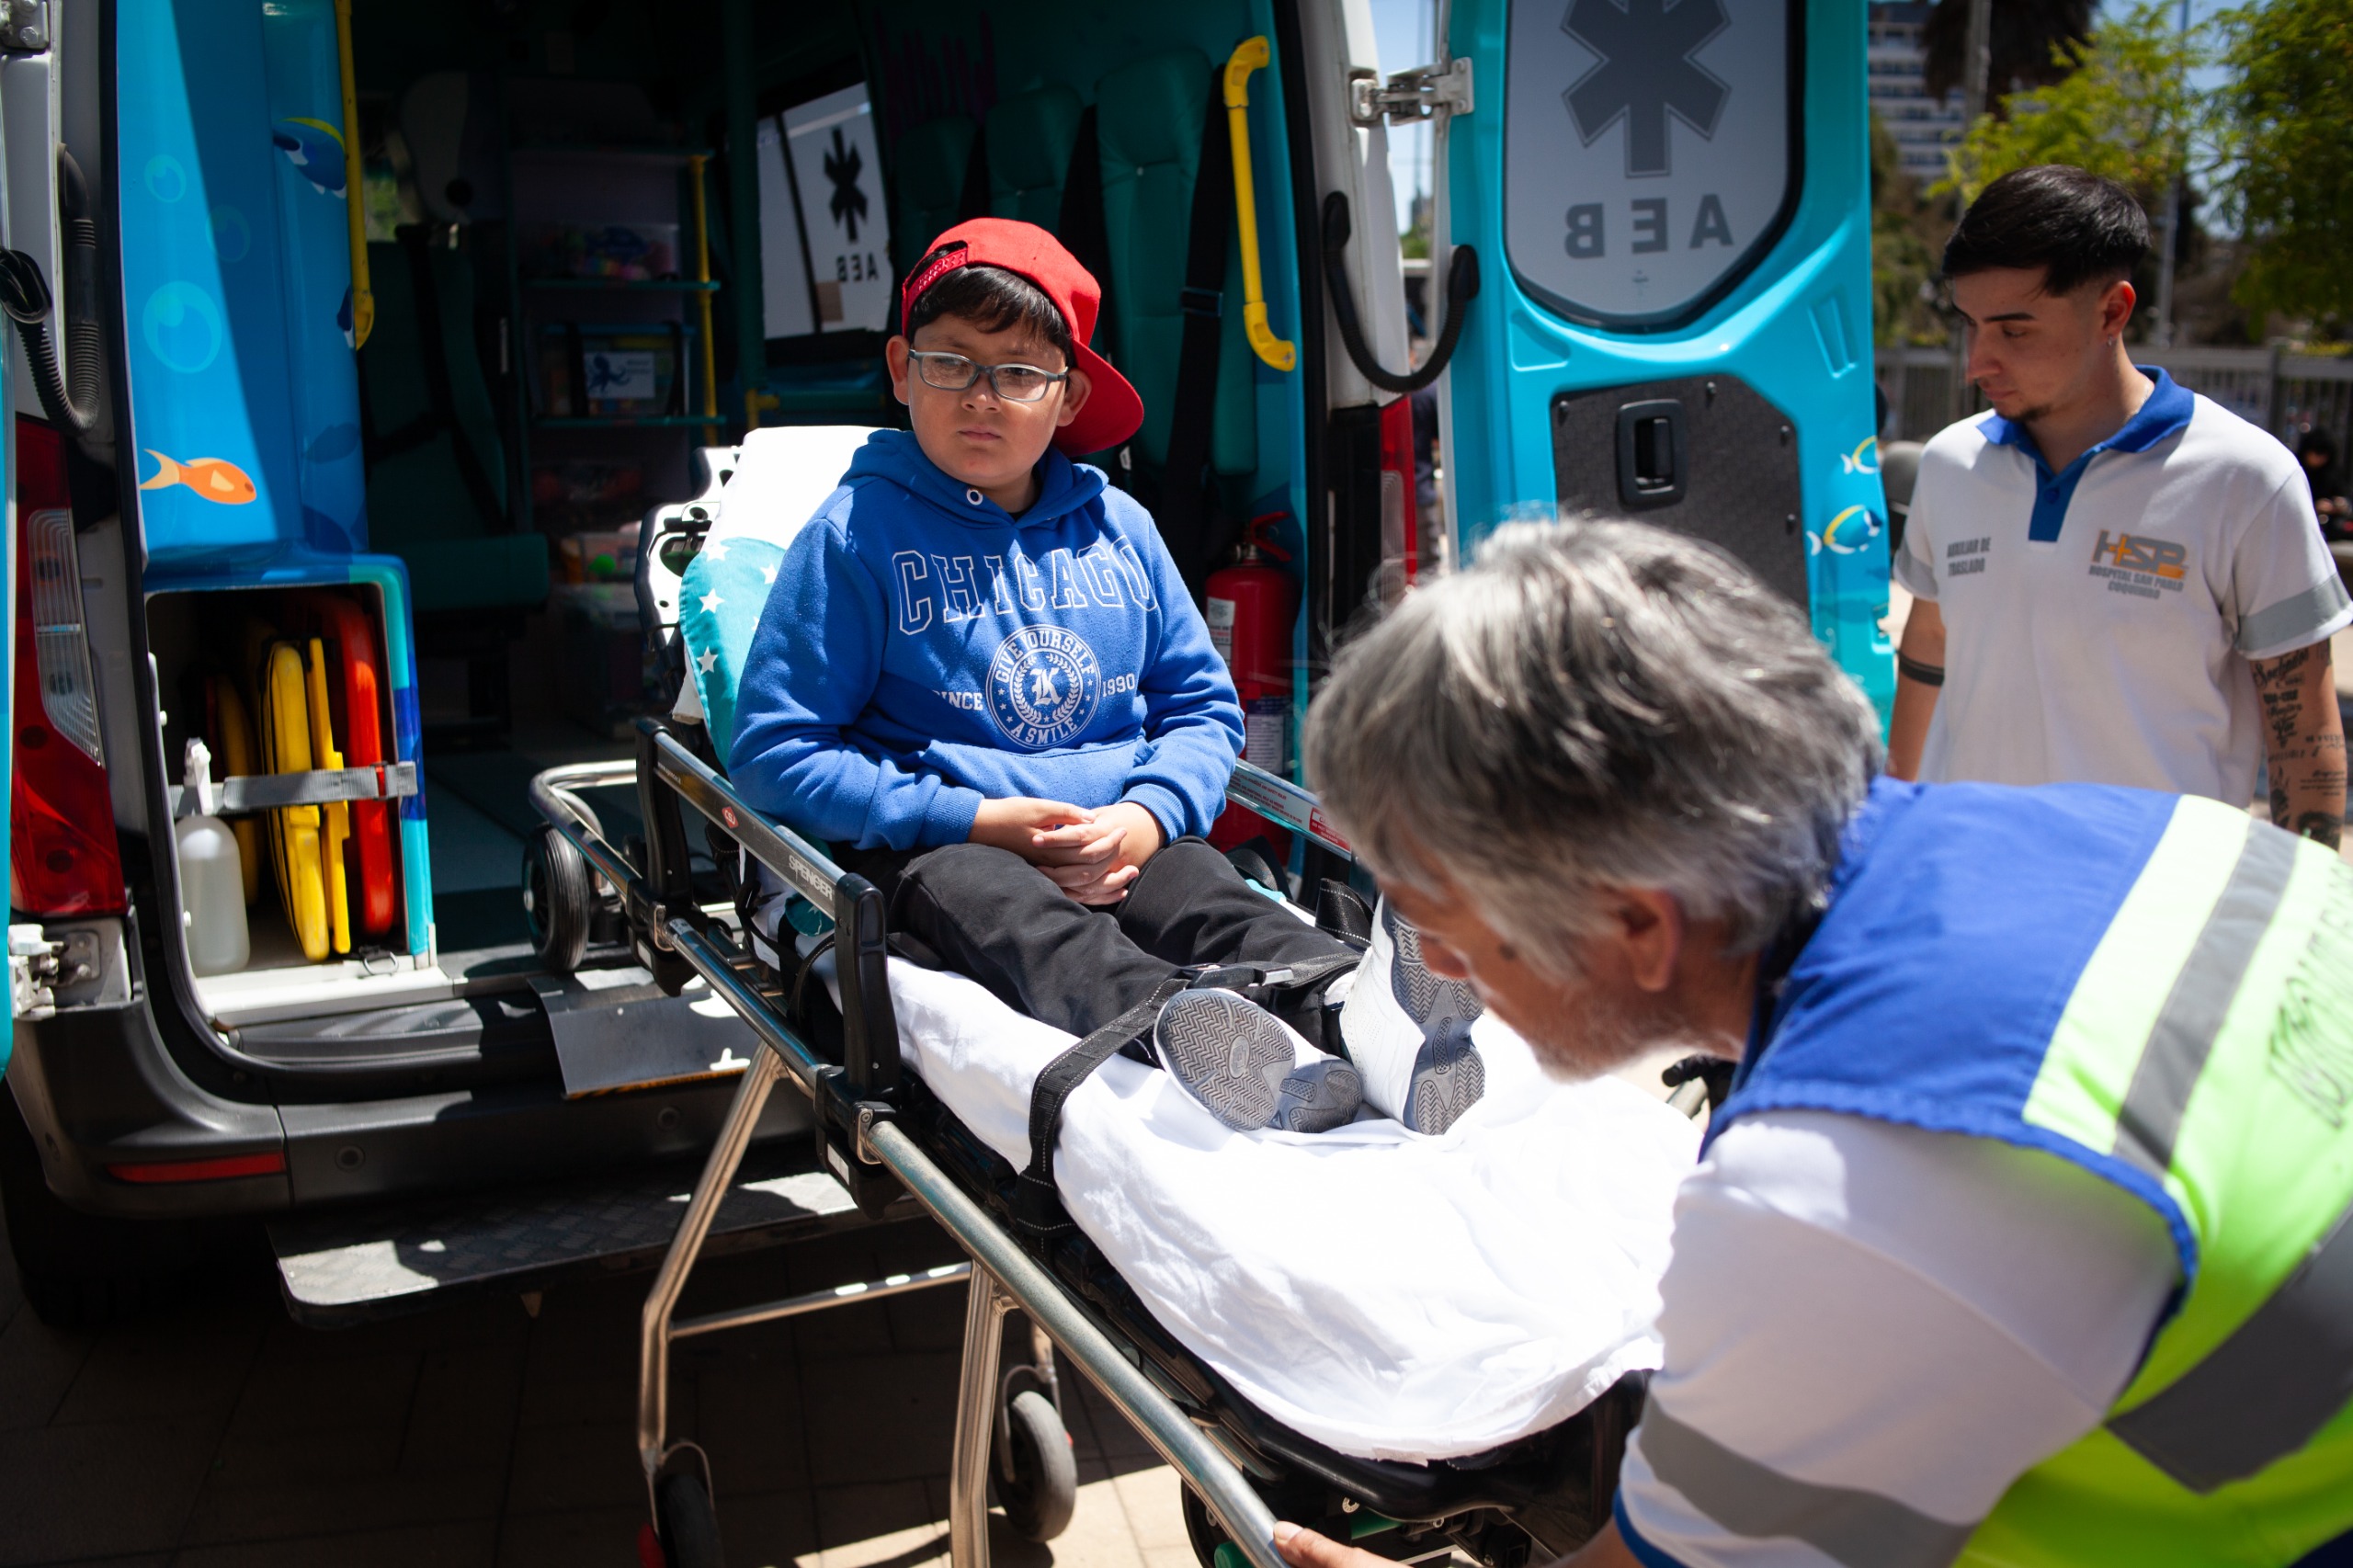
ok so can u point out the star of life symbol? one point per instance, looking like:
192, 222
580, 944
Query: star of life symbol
843, 165
1645, 73
1044, 685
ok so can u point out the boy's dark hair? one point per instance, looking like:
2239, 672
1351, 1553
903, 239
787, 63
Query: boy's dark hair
2078, 226
993, 299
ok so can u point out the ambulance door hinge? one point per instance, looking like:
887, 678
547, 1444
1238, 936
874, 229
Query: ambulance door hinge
1410, 97
24, 26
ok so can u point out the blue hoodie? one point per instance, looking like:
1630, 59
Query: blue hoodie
922, 651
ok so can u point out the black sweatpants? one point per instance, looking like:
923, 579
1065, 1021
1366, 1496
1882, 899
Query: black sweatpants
989, 914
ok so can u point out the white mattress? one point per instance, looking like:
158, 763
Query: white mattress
1391, 1295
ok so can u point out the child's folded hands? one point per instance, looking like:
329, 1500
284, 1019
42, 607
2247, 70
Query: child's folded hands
1093, 856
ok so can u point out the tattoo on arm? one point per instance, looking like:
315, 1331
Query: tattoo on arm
2304, 743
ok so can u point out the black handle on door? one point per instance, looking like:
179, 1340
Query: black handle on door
1462, 284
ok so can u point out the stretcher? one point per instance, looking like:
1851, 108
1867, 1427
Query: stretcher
888, 1140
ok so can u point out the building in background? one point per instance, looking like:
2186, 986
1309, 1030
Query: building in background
1925, 129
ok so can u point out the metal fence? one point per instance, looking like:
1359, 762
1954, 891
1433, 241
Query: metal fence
2286, 393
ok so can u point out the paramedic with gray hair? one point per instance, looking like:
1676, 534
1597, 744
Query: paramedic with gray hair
2023, 1236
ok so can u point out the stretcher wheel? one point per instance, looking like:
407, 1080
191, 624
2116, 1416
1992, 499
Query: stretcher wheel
1044, 1489
1201, 1529
556, 899
689, 1526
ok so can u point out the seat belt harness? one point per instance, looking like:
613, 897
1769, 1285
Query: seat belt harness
1038, 1204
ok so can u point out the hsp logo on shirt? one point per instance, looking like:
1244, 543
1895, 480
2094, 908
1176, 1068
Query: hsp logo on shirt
2137, 565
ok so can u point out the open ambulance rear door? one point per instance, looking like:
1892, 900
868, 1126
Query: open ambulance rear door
1670, 202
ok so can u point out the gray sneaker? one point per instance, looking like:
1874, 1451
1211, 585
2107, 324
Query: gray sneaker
1448, 1077
1430, 1002
1242, 1063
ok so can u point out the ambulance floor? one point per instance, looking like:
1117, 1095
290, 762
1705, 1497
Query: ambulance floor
479, 814
498, 1434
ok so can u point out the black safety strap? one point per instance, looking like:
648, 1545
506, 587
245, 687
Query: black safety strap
1341, 911
1038, 1207
1293, 979
436, 418
1184, 510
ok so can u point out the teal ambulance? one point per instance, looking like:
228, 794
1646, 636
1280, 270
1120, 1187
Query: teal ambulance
354, 341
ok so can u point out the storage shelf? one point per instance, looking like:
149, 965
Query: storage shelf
664, 422
657, 285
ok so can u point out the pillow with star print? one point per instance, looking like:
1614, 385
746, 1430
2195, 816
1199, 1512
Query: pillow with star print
724, 588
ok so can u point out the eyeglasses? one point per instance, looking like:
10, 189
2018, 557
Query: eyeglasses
1014, 383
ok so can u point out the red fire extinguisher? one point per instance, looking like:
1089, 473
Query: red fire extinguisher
1251, 607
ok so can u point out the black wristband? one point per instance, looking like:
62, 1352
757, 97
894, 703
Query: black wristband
1926, 675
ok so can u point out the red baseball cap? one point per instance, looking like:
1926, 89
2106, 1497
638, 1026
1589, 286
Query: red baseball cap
1113, 410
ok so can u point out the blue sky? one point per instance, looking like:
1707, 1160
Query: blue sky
1401, 31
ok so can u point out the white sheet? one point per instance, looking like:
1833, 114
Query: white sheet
1391, 1295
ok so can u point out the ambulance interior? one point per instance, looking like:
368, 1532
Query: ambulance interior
563, 257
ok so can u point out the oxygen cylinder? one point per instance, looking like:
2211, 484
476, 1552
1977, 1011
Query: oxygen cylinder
212, 879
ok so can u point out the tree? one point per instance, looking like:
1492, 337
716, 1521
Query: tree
2027, 38
2124, 106
2287, 173
1904, 259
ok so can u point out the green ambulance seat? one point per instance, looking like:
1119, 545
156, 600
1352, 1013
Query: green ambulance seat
1148, 122
929, 167
437, 470
1029, 140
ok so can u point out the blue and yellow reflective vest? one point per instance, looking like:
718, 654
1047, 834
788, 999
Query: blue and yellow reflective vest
2160, 989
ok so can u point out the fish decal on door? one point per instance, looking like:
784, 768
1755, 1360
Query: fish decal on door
315, 148
216, 479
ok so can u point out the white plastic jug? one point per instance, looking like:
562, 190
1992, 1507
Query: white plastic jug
213, 879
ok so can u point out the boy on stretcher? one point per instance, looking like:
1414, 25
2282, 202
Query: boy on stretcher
981, 675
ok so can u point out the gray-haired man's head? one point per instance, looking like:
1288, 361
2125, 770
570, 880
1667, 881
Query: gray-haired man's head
1595, 708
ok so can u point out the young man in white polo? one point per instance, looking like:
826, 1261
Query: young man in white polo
2116, 580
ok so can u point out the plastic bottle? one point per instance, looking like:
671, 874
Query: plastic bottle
212, 879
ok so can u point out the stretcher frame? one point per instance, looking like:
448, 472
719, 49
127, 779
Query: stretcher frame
872, 1132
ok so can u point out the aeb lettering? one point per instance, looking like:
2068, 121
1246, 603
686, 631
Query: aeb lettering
1651, 227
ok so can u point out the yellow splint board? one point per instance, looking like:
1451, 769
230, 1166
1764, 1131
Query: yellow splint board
293, 830
336, 813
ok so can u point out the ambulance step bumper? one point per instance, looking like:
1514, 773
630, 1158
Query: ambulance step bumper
358, 1266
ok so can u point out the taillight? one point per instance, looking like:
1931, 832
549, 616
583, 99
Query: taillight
63, 856
226, 1168
1400, 517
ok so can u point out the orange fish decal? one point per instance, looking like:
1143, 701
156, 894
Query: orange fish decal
215, 479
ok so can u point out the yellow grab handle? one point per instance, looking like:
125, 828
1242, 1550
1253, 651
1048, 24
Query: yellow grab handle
703, 297
1250, 55
354, 187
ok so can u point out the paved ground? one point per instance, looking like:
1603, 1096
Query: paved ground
225, 1436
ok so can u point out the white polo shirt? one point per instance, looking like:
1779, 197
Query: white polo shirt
2100, 621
